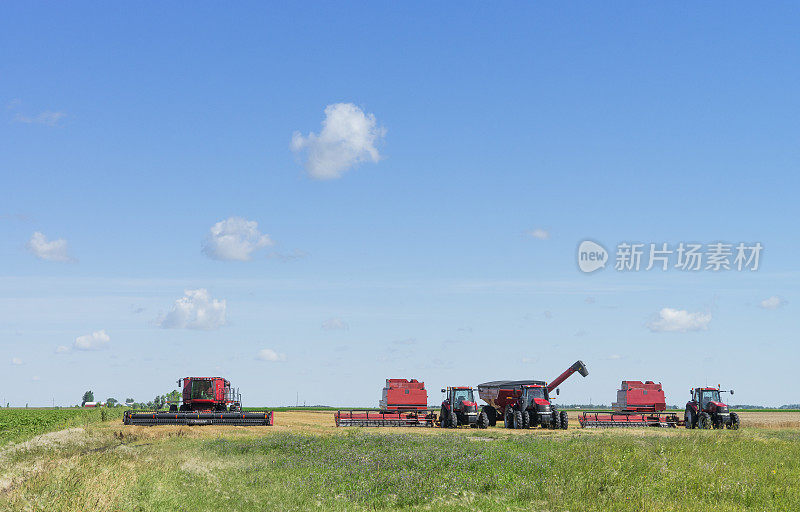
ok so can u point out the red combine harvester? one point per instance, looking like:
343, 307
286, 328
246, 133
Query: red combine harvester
639, 404
404, 403
526, 403
459, 408
205, 401
706, 410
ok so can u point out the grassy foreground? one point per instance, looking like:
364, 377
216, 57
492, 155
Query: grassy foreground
110, 468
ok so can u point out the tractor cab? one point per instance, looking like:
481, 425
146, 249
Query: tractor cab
461, 398
533, 395
708, 399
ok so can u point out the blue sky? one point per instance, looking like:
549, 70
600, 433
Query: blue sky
129, 134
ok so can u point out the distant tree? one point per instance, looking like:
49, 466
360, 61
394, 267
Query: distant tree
129, 402
174, 396
87, 397
111, 402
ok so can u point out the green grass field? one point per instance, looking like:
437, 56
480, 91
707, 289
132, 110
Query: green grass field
106, 466
22, 424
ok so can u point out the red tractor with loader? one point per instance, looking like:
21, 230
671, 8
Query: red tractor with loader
459, 408
706, 410
204, 401
526, 403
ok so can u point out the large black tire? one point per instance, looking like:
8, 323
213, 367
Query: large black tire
491, 413
690, 418
444, 417
483, 420
508, 418
564, 420
517, 419
173, 407
453, 420
734, 424
526, 419
704, 421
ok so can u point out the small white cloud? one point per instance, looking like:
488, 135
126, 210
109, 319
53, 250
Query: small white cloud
548, 314
234, 239
195, 310
539, 233
267, 354
773, 302
55, 250
348, 137
335, 324
35, 378
614, 357
46, 118
62, 349
679, 320
95, 341
530, 360
16, 361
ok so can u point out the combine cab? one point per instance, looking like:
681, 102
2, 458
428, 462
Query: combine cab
459, 408
526, 403
205, 401
404, 403
639, 404
706, 410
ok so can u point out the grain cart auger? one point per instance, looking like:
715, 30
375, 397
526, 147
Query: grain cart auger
639, 404
526, 403
706, 410
204, 401
459, 408
404, 404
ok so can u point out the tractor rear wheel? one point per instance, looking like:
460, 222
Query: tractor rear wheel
483, 420
491, 413
564, 420
526, 419
508, 418
443, 417
734, 424
555, 421
689, 418
453, 421
704, 421
517, 419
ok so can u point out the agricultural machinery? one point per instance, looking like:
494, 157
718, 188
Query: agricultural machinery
526, 403
204, 401
404, 403
639, 404
459, 408
706, 410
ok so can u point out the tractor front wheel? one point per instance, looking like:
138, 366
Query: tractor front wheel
483, 420
526, 419
508, 418
734, 424
704, 421
564, 420
555, 421
443, 418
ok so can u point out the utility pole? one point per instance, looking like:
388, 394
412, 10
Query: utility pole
297, 401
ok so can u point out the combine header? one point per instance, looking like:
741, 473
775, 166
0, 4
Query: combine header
639, 404
404, 403
526, 403
205, 401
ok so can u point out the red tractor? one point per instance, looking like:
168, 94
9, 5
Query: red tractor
205, 401
526, 403
459, 408
706, 410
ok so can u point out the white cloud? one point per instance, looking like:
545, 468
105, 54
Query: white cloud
348, 137
539, 233
614, 357
195, 310
773, 302
35, 378
679, 320
234, 239
62, 349
335, 324
46, 118
55, 250
267, 354
95, 341
16, 361
530, 360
